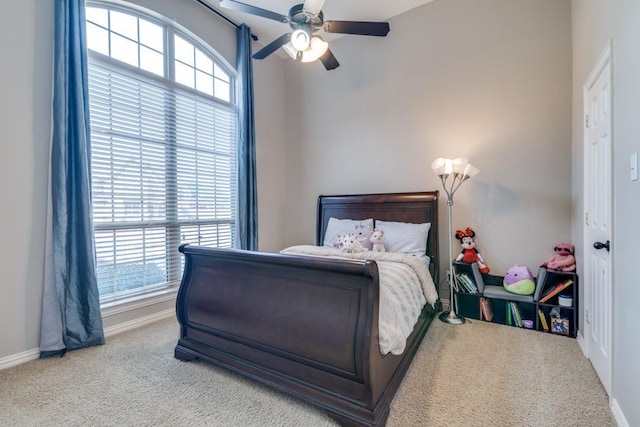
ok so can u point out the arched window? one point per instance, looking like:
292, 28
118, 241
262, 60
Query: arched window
163, 148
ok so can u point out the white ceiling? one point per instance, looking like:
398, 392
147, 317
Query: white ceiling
268, 30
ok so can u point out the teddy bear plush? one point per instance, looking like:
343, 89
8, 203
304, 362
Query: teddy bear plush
563, 260
469, 252
349, 243
377, 238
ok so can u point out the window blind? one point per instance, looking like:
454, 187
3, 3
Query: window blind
163, 174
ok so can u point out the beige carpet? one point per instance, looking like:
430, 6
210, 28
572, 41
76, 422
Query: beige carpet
478, 374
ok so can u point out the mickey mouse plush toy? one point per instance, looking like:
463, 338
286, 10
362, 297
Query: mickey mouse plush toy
469, 252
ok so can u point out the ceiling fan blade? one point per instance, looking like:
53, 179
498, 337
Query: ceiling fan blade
380, 29
329, 61
313, 6
273, 46
247, 8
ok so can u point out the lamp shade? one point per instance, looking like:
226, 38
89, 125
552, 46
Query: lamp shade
316, 49
460, 164
442, 166
291, 51
470, 171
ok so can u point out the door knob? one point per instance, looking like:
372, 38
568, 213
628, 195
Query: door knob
600, 245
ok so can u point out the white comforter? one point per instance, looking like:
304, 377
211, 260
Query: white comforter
405, 286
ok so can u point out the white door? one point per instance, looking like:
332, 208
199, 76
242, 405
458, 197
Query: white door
597, 226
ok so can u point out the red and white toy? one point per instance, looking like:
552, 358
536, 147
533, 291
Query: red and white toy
469, 252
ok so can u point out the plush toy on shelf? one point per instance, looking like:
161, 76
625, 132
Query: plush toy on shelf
349, 243
469, 252
377, 238
563, 260
519, 280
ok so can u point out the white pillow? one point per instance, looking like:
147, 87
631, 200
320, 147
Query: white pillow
405, 237
362, 227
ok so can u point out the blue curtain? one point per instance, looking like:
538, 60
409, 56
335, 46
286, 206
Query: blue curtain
247, 215
71, 307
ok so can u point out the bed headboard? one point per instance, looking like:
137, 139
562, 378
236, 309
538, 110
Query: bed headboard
415, 208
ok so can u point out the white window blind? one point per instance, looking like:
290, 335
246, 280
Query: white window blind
163, 174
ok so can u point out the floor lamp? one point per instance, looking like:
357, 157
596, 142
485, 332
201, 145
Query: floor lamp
452, 173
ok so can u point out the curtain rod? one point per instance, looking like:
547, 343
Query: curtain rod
226, 18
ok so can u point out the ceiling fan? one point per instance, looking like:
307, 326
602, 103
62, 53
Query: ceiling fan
305, 19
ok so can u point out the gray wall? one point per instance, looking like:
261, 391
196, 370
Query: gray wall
25, 118
596, 23
489, 80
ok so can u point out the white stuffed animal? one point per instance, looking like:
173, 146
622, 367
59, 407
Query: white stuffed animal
349, 243
377, 238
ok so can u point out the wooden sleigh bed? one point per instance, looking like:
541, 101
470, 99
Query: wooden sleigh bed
306, 326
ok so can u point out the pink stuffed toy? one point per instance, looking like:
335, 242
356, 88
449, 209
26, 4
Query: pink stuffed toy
377, 238
469, 252
563, 260
349, 243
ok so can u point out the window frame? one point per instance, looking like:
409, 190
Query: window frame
172, 224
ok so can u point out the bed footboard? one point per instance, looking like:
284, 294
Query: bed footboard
303, 325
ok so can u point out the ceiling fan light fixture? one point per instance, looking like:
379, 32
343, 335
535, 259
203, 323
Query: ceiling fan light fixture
316, 49
304, 19
300, 39
319, 46
291, 51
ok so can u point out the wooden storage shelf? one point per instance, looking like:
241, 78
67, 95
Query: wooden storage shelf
529, 307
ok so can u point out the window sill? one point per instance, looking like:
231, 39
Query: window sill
113, 308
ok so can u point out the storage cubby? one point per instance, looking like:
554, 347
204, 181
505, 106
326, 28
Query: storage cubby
568, 314
553, 308
526, 311
468, 305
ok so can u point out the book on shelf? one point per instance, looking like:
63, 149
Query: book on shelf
509, 321
471, 284
466, 283
515, 312
555, 290
472, 272
543, 320
514, 319
460, 284
486, 309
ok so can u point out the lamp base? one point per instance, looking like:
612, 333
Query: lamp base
451, 318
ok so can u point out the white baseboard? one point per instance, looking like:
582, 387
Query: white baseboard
581, 343
20, 358
136, 323
617, 414
29, 355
